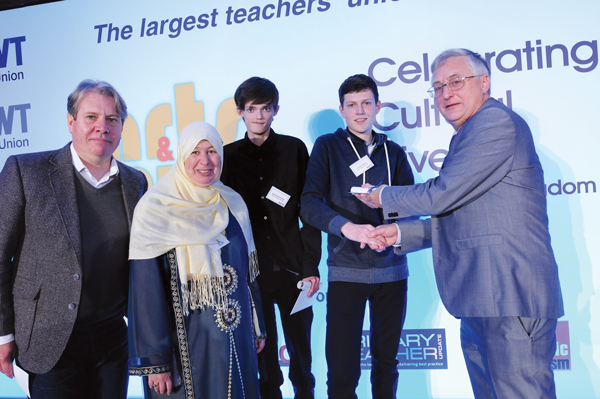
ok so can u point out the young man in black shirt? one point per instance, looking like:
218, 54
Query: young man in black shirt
268, 170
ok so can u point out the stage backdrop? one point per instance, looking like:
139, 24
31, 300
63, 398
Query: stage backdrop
180, 61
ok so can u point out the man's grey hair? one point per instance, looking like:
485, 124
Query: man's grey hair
476, 62
95, 86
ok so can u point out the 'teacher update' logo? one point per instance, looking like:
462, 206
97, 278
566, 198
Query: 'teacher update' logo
419, 349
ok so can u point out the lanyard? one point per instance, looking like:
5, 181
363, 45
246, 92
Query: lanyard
387, 157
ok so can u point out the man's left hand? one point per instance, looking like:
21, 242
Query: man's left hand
8, 352
314, 285
372, 199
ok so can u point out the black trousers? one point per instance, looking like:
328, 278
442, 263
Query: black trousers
345, 316
281, 288
93, 366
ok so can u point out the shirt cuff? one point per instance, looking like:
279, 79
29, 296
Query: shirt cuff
380, 192
398, 243
5, 339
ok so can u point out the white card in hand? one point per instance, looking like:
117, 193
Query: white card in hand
303, 301
360, 190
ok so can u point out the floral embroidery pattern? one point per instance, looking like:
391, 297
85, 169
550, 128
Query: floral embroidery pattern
229, 317
230, 278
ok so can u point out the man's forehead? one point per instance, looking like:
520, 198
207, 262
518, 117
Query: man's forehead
452, 67
86, 100
258, 105
368, 93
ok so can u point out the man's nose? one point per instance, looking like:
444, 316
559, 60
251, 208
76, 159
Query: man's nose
101, 125
447, 92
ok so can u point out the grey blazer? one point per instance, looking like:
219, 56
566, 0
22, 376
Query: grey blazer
41, 253
489, 230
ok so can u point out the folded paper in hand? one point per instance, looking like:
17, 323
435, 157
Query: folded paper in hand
304, 301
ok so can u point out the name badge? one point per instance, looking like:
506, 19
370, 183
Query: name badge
278, 196
221, 242
361, 166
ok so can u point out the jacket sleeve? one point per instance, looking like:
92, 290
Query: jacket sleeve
258, 320
12, 222
149, 321
479, 159
415, 234
313, 208
311, 236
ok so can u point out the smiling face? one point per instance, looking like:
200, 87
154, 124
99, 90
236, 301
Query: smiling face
96, 130
258, 118
458, 106
359, 110
203, 166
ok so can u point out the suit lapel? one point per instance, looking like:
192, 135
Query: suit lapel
62, 181
131, 191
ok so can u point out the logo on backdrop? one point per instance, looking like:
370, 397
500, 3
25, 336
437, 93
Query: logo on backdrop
567, 188
11, 56
582, 56
419, 349
562, 357
8, 114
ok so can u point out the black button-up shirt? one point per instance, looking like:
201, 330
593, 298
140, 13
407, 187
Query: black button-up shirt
252, 170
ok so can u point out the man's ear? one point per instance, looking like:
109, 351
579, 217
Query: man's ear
276, 110
240, 112
70, 121
485, 83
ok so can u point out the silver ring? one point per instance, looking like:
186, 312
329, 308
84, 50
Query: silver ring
154, 385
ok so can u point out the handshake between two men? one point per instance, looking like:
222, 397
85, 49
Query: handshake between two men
377, 238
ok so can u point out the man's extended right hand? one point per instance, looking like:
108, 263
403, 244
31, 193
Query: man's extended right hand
358, 233
386, 232
8, 352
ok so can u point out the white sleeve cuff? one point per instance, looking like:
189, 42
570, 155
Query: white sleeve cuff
399, 237
381, 191
5, 339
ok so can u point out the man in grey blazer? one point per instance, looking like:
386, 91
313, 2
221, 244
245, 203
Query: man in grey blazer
64, 240
494, 265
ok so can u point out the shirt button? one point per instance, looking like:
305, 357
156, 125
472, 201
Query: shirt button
260, 160
76, 276
268, 237
265, 218
262, 197
260, 178
71, 306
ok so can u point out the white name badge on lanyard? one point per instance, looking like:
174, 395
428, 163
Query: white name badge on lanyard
278, 196
361, 166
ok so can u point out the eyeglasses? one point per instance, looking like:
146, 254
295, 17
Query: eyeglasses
453, 84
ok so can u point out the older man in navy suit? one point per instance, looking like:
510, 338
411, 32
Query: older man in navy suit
494, 265
64, 243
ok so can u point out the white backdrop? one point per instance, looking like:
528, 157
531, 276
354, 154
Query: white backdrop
544, 61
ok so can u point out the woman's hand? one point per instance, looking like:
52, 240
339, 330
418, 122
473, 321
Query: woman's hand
260, 344
161, 383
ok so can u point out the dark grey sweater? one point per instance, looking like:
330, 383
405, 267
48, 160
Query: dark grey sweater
105, 244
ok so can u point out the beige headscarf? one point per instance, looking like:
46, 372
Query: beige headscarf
175, 213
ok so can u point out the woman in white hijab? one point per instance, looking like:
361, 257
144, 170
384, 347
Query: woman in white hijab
195, 322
